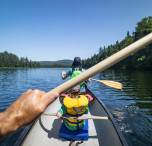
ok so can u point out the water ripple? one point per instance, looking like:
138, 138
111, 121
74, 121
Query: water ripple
131, 106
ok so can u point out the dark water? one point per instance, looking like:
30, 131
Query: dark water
131, 107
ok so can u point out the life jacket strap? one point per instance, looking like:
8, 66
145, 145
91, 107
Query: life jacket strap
78, 121
79, 110
77, 115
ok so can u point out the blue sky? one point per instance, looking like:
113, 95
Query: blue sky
47, 30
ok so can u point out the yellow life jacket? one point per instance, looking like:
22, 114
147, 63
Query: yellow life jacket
75, 107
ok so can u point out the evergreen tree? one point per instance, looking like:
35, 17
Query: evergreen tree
142, 60
11, 60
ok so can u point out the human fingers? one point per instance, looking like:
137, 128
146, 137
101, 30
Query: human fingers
49, 99
28, 91
41, 93
36, 92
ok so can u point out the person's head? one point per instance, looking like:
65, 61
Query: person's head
77, 62
75, 91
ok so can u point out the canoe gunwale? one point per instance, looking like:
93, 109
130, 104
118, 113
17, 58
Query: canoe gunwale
24, 134
119, 132
27, 129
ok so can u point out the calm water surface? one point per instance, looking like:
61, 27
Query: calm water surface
131, 106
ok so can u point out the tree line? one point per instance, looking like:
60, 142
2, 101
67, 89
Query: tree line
55, 65
142, 60
11, 60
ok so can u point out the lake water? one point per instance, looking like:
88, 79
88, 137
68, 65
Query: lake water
131, 106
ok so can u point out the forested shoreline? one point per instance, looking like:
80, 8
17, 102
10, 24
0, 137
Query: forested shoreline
142, 60
11, 60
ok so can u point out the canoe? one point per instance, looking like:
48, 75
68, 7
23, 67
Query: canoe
45, 131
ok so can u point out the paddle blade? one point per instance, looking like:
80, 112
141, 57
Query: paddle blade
85, 116
112, 84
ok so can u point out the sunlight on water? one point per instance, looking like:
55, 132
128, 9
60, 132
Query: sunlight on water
131, 107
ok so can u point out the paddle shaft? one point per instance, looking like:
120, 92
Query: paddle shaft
95, 80
101, 66
83, 117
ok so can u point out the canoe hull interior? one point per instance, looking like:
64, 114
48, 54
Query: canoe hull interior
45, 131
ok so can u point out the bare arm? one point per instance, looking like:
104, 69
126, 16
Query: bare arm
64, 75
24, 111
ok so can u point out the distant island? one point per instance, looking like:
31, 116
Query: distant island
56, 64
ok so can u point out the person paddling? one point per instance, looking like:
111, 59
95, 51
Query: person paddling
76, 105
74, 71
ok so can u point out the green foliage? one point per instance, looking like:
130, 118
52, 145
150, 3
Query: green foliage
142, 60
56, 64
11, 60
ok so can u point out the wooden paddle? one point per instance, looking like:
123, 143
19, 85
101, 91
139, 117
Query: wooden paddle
113, 84
101, 66
83, 117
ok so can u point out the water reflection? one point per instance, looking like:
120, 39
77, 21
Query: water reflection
131, 106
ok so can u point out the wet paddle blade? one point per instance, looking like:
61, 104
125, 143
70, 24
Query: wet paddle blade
112, 84
83, 117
